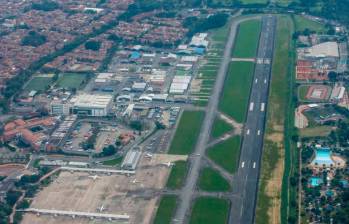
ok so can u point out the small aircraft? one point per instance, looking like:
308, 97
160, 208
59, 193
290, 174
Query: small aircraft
94, 177
101, 209
135, 181
149, 155
169, 164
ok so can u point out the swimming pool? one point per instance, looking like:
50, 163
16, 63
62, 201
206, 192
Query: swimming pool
323, 157
315, 181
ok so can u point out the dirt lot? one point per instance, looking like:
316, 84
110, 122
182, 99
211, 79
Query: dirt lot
135, 196
8, 169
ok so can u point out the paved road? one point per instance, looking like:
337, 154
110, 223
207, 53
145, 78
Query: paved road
245, 182
186, 195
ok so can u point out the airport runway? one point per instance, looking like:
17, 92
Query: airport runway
245, 181
187, 192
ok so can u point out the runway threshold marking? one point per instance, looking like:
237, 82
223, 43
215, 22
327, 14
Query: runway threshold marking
258, 132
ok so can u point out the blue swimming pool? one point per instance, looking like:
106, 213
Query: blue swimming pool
315, 181
323, 157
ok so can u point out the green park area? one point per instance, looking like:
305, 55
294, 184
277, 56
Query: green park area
39, 83
71, 80
166, 209
211, 180
177, 175
226, 154
187, 132
220, 127
247, 39
210, 210
236, 90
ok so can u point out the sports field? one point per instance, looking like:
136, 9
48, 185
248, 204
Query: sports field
236, 90
246, 42
71, 80
210, 210
166, 209
187, 132
177, 175
226, 154
40, 83
211, 180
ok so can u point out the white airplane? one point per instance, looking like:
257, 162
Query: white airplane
148, 155
169, 164
94, 177
101, 209
135, 181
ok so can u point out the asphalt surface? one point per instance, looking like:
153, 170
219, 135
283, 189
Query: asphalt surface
188, 190
245, 181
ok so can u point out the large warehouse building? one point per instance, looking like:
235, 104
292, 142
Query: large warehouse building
92, 104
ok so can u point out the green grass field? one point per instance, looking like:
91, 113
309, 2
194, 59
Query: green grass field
208, 210
284, 3
187, 132
211, 180
71, 80
166, 209
302, 23
38, 83
177, 175
113, 162
302, 92
226, 154
246, 42
220, 127
236, 90
320, 131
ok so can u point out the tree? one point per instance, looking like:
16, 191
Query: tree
93, 45
332, 76
33, 39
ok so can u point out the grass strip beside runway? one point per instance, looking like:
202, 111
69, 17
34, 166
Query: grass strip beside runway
166, 210
236, 90
226, 154
210, 210
246, 43
220, 127
177, 175
211, 180
187, 132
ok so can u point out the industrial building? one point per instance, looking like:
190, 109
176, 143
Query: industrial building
97, 105
199, 40
131, 160
179, 84
57, 107
323, 50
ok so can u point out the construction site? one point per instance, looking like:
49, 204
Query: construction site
78, 196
